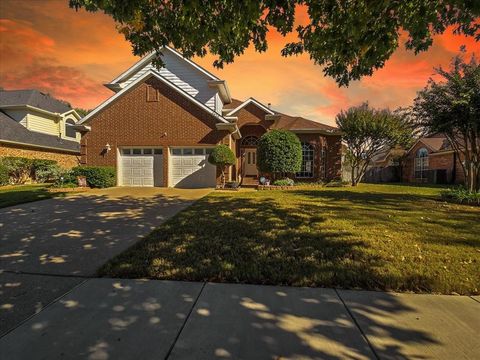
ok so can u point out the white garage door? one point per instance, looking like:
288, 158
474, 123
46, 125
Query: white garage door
190, 168
141, 167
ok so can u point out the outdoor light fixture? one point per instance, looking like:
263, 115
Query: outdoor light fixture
108, 147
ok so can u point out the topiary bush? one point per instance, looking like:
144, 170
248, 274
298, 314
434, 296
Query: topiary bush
222, 156
97, 176
279, 152
4, 177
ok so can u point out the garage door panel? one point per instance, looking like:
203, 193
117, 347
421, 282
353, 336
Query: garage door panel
141, 170
191, 171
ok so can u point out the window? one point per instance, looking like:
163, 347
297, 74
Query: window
187, 151
306, 170
126, 151
69, 129
250, 141
421, 163
152, 94
176, 151
147, 151
137, 151
157, 151
208, 151
198, 151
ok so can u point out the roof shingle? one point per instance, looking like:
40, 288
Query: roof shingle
33, 98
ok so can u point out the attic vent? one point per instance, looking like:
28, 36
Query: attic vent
152, 94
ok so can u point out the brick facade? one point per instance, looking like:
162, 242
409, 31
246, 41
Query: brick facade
131, 120
65, 160
436, 161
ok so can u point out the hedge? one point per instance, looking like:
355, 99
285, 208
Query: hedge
279, 152
4, 177
97, 176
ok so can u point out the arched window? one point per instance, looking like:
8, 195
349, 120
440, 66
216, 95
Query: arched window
250, 141
308, 152
69, 129
421, 163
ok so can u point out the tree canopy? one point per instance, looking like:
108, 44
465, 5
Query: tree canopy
367, 131
349, 39
452, 107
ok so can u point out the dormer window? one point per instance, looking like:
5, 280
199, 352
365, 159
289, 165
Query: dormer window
69, 129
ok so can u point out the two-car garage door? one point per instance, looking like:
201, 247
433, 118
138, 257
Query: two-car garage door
188, 167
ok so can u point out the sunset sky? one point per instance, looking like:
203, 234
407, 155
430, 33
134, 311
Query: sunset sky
47, 46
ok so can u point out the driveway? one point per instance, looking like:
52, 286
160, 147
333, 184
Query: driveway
70, 238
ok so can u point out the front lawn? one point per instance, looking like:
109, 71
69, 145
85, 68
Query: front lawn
389, 237
19, 194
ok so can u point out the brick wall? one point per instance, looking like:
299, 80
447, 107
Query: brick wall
131, 120
65, 160
438, 161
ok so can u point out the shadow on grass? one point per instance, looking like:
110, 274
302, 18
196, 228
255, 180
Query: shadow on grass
225, 239
15, 195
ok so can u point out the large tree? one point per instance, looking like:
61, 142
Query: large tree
349, 39
452, 107
367, 131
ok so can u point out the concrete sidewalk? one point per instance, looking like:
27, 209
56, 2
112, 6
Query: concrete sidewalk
135, 319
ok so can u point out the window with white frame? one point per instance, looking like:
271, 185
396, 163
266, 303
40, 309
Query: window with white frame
421, 163
250, 141
69, 129
308, 152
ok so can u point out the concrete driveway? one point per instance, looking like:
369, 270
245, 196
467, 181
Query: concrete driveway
71, 238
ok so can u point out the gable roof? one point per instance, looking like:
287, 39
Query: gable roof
284, 121
33, 98
251, 100
13, 132
435, 143
149, 74
147, 59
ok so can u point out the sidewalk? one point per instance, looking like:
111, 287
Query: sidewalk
135, 319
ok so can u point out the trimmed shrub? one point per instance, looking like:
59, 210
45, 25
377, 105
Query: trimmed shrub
4, 177
222, 156
284, 182
279, 152
462, 196
48, 173
19, 168
97, 176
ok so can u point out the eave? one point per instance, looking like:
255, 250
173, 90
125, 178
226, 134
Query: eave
223, 90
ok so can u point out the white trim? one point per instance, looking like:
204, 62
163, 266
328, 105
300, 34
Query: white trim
223, 90
148, 74
248, 101
113, 85
415, 144
29, 107
74, 112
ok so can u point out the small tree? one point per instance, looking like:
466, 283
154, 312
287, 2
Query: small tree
279, 152
222, 156
452, 107
367, 131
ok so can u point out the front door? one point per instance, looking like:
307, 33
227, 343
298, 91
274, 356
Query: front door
251, 162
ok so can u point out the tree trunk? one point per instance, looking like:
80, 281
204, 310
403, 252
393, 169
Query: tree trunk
352, 173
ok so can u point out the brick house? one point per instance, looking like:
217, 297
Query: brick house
161, 124
38, 126
432, 160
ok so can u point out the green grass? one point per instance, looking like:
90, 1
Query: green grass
382, 237
19, 194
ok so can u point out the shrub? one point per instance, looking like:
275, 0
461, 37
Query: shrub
97, 176
279, 152
222, 156
4, 177
48, 173
462, 196
284, 182
19, 168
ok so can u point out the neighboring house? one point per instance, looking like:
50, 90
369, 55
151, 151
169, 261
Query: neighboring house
386, 166
35, 125
160, 126
432, 160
